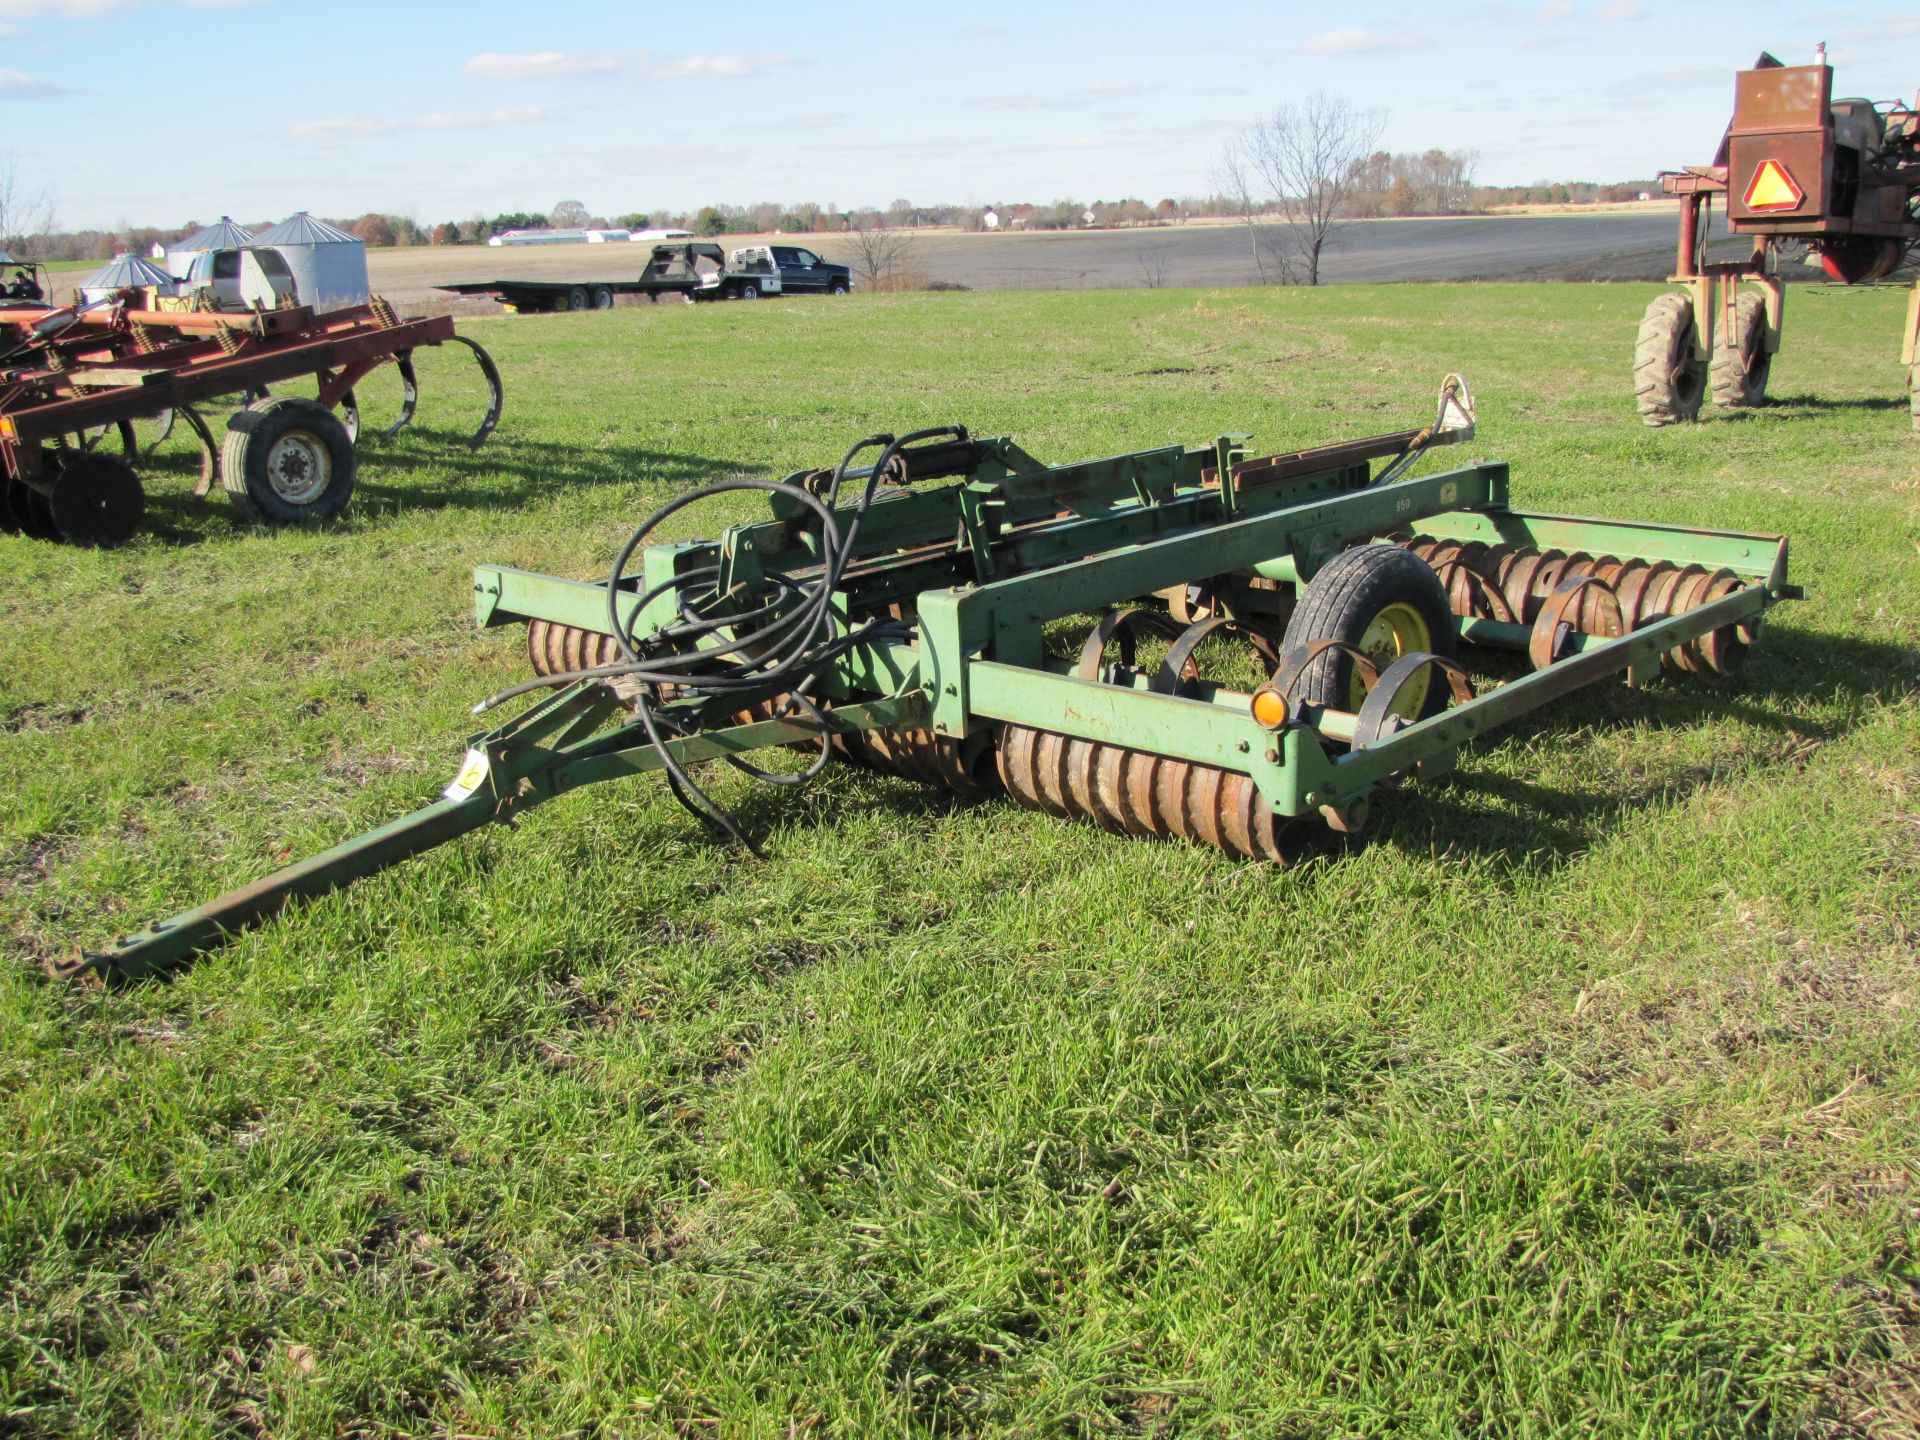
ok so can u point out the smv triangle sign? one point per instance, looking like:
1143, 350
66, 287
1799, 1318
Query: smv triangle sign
1772, 188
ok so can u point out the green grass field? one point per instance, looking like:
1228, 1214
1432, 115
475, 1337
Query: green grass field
1580, 1100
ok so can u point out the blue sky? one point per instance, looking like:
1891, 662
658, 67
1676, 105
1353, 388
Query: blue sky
158, 111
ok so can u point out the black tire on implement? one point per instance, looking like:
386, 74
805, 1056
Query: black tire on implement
1669, 380
602, 298
1741, 361
1379, 588
291, 460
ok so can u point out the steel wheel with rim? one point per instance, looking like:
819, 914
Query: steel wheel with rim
286, 460
1398, 629
1385, 602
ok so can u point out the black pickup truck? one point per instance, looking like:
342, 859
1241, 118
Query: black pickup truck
694, 270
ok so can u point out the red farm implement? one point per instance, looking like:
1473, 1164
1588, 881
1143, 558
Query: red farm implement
74, 377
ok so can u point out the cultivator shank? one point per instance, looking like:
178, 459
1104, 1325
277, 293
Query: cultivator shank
905, 610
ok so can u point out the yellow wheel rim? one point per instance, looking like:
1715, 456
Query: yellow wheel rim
1399, 629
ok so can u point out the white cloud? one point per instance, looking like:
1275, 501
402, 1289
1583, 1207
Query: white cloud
545, 65
1075, 100
1883, 30
94, 9
1360, 41
385, 125
18, 85
639, 65
1620, 10
1026, 102
1556, 10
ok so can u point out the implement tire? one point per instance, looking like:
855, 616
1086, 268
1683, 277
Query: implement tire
287, 460
1669, 380
1741, 361
1385, 602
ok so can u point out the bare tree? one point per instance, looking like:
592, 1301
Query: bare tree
1270, 261
1156, 264
24, 214
568, 215
1305, 156
879, 256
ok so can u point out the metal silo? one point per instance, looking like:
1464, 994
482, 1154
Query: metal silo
222, 236
329, 265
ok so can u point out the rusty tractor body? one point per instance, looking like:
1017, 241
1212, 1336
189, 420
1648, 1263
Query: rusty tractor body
1797, 167
74, 378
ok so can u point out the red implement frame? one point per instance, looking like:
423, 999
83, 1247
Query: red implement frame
115, 365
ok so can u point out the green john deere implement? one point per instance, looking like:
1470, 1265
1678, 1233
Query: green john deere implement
895, 610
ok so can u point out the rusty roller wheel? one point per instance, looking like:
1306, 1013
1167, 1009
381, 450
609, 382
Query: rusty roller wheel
1135, 793
1581, 605
1642, 591
965, 767
556, 649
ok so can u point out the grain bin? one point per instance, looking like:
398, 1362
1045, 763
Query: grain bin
329, 265
126, 271
225, 235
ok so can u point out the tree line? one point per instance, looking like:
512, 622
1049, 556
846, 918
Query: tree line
1433, 183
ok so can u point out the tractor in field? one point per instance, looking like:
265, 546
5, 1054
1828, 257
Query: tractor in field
1839, 179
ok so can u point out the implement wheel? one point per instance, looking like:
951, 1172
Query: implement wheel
1384, 602
577, 298
602, 298
287, 460
1668, 377
1741, 361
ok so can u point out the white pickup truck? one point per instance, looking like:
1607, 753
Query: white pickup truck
236, 279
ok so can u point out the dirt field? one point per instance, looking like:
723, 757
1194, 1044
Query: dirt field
1633, 246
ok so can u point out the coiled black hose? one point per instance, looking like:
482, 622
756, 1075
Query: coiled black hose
782, 645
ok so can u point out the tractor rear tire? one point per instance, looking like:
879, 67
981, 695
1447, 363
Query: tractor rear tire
1741, 361
291, 461
1669, 379
1385, 602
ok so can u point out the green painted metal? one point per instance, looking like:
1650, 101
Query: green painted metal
544, 753
984, 562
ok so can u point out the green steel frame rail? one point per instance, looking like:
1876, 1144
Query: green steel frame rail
987, 562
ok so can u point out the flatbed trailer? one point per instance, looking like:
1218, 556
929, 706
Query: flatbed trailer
689, 270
